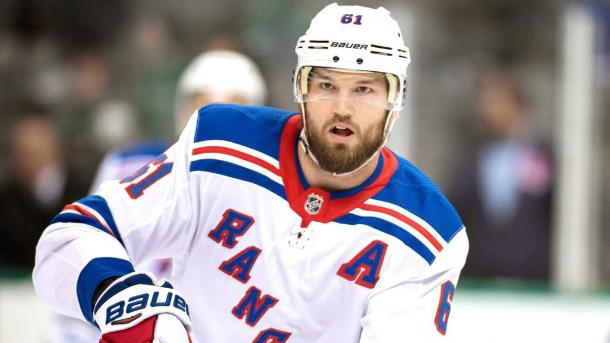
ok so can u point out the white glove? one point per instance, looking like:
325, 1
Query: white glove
135, 309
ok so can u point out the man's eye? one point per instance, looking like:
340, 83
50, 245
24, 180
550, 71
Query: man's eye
363, 89
326, 85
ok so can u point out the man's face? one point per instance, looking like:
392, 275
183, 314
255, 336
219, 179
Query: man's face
499, 109
345, 117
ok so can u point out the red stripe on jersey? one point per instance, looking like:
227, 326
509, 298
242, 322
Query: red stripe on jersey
75, 207
238, 154
407, 221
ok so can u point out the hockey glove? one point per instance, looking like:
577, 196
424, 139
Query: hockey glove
135, 309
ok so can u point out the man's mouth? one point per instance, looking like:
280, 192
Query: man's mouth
341, 130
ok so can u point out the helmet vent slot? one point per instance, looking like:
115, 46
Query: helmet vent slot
380, 47
381, 53
318, 44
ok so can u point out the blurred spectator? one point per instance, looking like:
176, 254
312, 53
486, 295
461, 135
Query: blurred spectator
39, 183
504, 192
89, 85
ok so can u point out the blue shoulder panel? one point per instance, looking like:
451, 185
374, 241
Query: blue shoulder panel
258, 128
410, 189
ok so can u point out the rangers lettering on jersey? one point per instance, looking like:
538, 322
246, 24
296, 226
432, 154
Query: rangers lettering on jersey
234, 224
253, 306
241, 264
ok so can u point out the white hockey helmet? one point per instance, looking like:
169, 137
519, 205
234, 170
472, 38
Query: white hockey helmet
222, 71
354, 38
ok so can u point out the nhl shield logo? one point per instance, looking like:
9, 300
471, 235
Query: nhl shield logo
313, 204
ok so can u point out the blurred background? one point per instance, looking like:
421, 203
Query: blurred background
508, 111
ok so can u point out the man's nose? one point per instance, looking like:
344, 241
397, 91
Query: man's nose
343, 106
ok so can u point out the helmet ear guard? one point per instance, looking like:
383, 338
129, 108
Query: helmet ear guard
392, 87
303, 84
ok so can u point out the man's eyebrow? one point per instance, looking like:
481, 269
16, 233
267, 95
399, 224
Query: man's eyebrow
322, 76
371, 80
365, 80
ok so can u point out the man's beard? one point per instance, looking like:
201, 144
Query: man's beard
338, 158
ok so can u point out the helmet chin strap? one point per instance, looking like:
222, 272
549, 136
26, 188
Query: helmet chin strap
389, 123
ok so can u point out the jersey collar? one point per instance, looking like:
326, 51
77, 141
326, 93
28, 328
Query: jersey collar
315, 204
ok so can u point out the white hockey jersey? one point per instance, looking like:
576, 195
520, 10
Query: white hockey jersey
260, 255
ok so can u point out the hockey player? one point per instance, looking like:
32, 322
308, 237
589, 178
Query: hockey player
216, 76
283, 227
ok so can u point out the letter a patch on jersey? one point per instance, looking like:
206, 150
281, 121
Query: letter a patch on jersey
232, 225
365, 267
239, 266
253, 306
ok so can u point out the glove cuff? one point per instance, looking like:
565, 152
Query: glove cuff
135, 297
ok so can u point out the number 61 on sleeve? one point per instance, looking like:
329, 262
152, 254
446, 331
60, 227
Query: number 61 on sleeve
444, 307
147, 176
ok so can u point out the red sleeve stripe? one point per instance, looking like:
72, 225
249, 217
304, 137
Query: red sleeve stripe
88, 213
437, 245
238, 154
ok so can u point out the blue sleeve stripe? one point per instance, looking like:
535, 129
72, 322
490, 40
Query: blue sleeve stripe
100, 205
92, 210
238, 172
96, 271
392, 230
81, 219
